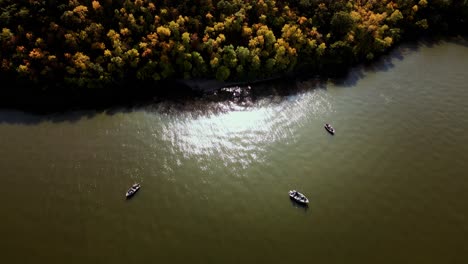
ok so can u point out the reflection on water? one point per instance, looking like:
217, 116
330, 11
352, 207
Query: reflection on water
299, 206
242, 134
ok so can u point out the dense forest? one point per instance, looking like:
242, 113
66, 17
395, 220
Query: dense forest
99, 43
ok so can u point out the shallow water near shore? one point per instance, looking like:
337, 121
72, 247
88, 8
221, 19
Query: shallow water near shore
389, 187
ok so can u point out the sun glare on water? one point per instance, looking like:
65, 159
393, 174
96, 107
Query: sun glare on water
242, 135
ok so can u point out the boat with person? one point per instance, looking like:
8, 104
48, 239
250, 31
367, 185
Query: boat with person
330, 129
298, 197
135, 187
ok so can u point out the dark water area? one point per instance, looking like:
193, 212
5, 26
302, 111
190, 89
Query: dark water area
389, 187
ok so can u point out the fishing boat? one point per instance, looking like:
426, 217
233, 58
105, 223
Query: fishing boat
135, 187
298, 197
330, 129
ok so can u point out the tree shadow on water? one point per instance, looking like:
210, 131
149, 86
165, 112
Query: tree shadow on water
20, 117
231, 98
383, 64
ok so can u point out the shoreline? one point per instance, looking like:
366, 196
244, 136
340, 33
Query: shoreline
25, 98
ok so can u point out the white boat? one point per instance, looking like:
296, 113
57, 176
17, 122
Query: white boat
135, 187
298, 197
330, 129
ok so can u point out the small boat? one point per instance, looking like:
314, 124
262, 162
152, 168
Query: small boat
330, 129
298, 197
135, 187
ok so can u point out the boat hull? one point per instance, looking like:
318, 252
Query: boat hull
132, 191
330, 129
298, 197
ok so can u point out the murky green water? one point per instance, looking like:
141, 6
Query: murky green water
390, 187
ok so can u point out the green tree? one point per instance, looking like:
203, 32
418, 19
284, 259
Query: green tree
222, 73
341, 24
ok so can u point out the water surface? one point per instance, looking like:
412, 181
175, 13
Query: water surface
390, 187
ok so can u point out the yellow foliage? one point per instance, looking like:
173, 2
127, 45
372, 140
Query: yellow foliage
355, 16
186, 37
153, 38
36, 53
80, 60
415, 8
157, 19
209, 30
39, 41
301, 20
246, 32
390, 6
117, 61
113, 35
181, 20
321, 49
23, 69
138, 2
221, 38
312, 43
142, 45
83, 35
292, 51
132, 53
125, 31
163, 31
219, 26
261, 40
395, 16
131, 19
96, 5
388, 41
6, 34
314, 33
180, 48
107, 53
81, 11
253, 43
214, 62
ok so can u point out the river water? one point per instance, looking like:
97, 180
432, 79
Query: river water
390, 187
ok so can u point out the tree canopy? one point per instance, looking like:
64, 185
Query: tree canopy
95, 43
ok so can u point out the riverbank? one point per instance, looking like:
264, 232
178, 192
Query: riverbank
133, 93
